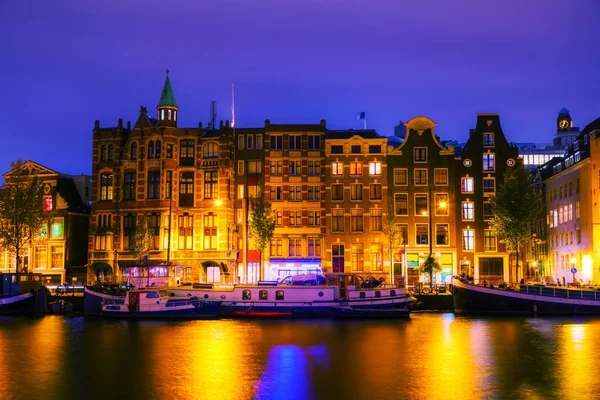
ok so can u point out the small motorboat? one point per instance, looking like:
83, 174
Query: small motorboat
159, 303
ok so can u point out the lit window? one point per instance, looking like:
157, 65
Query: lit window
240, 167
48, 204
441, 204
357, 257
467, 211
377, 260
56, 230
356, 220
375, 168
337, 168
356, 168
466, 185
468, 242
488, 162
489, 241
106, 188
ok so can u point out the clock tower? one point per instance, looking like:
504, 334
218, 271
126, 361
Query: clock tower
564, 122
566, 133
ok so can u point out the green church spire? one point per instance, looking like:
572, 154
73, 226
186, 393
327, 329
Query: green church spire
167, 98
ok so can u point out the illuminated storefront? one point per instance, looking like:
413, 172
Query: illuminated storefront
279, 268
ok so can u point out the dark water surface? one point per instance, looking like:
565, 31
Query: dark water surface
430, 356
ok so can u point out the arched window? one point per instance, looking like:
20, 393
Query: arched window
162, 114
111, 152
174, 115
133, 151
157, 149
169, 111
103, 153
151, 149
210, 151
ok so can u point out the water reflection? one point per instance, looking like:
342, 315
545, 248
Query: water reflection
429, 356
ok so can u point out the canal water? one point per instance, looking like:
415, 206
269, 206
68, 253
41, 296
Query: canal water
430, 356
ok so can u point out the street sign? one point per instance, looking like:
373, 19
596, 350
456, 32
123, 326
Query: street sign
573, 270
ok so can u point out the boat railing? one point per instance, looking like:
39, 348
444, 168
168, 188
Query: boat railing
560, 292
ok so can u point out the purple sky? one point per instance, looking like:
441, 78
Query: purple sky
67, 63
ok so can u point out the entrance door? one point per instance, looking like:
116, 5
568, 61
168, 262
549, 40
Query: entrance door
491, 269
337, 254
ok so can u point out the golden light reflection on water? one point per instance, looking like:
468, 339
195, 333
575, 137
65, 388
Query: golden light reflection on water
430, 356
578, 360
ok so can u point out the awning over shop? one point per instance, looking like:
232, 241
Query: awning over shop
253, 256
222, 266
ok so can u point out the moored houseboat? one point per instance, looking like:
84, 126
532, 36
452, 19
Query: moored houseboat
22, 293
321, 296
524, 300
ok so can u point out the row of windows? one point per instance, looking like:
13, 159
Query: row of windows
339, 149
187, 151
420, 176
296, 247
563, 214
186, 186
356, 169
356, 220
40, 257
356, 191
184, 234
294, 142
248, 141
313, 218
565, 238
565, 190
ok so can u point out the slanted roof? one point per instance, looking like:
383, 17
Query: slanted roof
167, 98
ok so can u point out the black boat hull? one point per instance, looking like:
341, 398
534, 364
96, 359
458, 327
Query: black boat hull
471, 299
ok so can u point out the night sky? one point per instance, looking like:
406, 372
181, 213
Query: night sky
66, 63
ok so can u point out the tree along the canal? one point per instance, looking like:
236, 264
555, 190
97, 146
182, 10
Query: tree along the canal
140, 245
21, 214
394, 236
430, 266
515, 209
262, 223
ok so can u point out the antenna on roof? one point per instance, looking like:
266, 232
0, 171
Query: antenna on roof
213, 114
232, 106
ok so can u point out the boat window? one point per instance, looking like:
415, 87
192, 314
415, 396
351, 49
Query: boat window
279, 295
163, 293
263, 295
377, 293
392, 292
246, 295
320, 294
152, 295
363, 295
206, 296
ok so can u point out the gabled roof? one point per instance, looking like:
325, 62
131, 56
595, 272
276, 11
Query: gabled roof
144, 121
167, 98
33, 168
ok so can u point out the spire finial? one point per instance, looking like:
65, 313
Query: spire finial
167, 71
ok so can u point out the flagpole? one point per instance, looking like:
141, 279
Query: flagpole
365, 122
